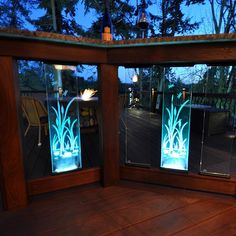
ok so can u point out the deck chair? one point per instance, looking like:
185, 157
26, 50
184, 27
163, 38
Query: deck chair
36, 115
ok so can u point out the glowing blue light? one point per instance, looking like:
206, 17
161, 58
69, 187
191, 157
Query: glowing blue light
64, 138
175, 135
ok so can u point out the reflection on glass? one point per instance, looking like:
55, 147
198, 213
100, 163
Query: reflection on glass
138, 125
64, 128
64, 83
212, 103
218, 121
175, 126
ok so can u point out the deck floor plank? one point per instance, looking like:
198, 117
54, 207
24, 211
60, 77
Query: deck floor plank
221, 224
127, 209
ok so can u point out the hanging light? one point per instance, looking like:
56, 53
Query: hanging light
106, 24
135, 78
143, 16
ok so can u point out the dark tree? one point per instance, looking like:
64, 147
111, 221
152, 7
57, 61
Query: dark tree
171, 19
122, 14
223, 16
16, 13
60, 17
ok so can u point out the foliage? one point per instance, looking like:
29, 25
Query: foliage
171, 20
65, 17
31, 75
223, 16
16, 13
122, 15
219, 79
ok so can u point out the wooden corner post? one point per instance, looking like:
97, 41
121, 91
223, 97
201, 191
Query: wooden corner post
12, 180
108, 89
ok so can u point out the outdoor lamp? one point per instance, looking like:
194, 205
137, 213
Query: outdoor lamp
135, 78
143, 16
106, 24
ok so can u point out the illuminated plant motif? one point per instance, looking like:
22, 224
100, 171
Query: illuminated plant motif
70, 134
64, 143
173, 141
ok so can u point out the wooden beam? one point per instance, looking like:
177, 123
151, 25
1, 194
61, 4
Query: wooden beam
189, 50
174, 54
108, 89
62, 181
49, 51
181, 180
12, 178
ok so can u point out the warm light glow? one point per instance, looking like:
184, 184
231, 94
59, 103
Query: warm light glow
87, 94
58, 67
65, 67
135, 78
232, 136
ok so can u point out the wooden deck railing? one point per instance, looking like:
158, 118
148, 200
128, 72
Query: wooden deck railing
48, 47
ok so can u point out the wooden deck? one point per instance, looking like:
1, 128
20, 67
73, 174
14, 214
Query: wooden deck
127, 209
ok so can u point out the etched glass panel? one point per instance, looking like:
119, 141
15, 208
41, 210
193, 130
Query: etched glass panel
64, 123
175, 121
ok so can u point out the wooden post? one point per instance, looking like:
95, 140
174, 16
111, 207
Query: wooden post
108, 81
12, 180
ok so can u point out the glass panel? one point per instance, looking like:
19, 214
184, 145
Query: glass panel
139, 124
176, 119
212, 123
36, 152
219, 121
35, 133
197, 117
63, 118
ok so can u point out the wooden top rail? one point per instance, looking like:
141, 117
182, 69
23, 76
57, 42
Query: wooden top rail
181, 50
70, 39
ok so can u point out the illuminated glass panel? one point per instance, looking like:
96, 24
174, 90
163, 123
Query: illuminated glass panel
175, 126
63, 115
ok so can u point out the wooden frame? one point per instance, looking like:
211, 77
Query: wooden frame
175, 54
67, 49
110, 123
53, 183
13, 186
180, 180
49, 51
